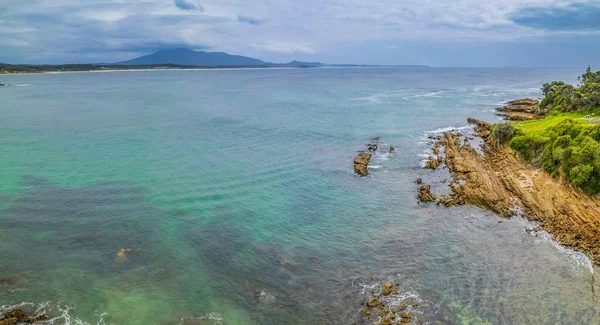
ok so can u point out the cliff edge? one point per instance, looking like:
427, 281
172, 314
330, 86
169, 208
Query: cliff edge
499, 180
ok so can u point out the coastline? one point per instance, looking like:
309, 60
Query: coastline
143, 70
218, 68
497, 179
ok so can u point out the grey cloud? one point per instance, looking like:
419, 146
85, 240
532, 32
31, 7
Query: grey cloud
188, 5
250, 20
576, 16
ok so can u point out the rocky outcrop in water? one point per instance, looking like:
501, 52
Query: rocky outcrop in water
361, 162
433, 162
384, 314
18, 316
482, 129
499, 180
520, 110
1, 85
392, 149
425, 194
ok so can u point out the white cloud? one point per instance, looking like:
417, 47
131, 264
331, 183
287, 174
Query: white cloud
284, 47
310, 27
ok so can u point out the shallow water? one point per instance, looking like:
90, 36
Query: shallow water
227, 183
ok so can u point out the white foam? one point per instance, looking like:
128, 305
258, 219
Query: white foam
432, 94
218, 318
22, 85
578, 258
447, 129
376, 98
375, 167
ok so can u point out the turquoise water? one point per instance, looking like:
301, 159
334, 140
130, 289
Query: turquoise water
227, 183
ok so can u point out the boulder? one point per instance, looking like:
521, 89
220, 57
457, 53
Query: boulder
2, 85
361, 162
372, 147
387, 288
392, 149
419, 180
374, 302
425, 194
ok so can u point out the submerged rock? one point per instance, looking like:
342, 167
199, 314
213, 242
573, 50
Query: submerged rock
265, 298
123, 252
18, 316
361, 162
372, 147
425, 194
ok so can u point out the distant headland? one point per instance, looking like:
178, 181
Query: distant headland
181, 58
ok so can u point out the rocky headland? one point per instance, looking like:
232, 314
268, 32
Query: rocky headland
520, 110
498, 179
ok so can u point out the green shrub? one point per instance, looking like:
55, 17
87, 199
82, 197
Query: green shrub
529, 146
560, 96
562, 141
503, 132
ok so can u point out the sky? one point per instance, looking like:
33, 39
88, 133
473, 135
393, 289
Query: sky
458, 33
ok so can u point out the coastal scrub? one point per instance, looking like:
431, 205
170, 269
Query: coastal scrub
566, 143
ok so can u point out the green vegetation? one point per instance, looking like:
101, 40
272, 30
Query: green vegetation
503, 132
559, 96
539, 127
564, 143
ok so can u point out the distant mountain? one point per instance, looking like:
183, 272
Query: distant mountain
299, 64
183, 56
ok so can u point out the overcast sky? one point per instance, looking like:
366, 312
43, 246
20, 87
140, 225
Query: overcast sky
495, 33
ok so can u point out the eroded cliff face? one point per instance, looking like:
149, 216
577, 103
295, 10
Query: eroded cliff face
499, 180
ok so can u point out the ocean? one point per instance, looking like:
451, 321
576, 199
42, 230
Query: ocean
233, 198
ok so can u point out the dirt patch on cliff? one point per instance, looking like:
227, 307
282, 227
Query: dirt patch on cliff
499, 180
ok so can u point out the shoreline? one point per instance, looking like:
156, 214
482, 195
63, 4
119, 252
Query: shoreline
497, 179
218, 68
143, 70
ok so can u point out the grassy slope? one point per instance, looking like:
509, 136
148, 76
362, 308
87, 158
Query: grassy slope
539, 127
